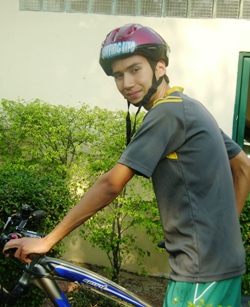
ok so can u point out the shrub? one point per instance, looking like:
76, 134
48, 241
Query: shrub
245, 229
40, 191
82, 296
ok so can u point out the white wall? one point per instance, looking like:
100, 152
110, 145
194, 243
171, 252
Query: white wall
81, 251
54, 57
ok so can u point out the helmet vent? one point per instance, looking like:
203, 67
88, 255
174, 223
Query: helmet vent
132, 30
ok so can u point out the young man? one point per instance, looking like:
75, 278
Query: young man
201, 177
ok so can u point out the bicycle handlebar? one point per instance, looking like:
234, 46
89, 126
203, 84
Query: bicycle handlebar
14, 227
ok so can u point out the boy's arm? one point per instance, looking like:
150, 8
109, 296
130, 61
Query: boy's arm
240, 167
103, 191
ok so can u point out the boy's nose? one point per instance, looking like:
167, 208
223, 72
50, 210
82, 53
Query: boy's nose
128, 81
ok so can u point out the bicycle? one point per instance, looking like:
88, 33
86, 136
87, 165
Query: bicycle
45, 272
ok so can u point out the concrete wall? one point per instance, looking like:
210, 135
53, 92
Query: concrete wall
54, 57
81, 251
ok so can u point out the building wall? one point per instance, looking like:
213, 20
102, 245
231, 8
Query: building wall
82, 252
54, 57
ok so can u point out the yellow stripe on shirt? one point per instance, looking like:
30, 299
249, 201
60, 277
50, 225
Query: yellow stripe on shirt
173, 156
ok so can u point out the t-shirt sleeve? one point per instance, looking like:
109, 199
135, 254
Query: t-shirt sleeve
232, 147
161, 132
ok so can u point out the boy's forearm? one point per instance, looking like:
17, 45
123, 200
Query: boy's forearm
93, 201
240, 166
103, 192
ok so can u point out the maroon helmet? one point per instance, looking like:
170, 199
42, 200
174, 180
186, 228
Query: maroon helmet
132, 39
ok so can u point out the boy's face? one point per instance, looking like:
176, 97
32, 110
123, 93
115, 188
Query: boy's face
133, 77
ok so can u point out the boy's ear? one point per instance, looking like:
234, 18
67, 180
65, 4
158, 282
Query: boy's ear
160, 68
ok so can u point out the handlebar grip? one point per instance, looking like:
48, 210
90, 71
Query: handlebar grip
35, 257
10, 251
38, 215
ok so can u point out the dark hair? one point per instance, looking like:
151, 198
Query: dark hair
153, 65
166, 79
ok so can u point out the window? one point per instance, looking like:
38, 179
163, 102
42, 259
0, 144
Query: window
151, 8
176, 8
201, 9
77, 6
227, 8
28, 5
101, 7
128, 7
53, 6
156, 8
245, 9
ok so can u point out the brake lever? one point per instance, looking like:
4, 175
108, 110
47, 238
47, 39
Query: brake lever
6, 224
5, 239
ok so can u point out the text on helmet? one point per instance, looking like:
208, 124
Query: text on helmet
117, 49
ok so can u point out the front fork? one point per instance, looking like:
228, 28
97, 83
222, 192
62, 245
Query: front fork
50, 287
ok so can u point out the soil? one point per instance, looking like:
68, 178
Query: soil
148, 287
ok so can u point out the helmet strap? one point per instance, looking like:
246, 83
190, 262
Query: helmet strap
129, 131
145, 100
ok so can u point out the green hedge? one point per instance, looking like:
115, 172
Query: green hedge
40, 191
245, 229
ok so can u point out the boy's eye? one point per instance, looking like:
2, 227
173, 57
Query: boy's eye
135, 69
117, 76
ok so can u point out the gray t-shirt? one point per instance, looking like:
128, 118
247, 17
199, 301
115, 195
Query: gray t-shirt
180, 146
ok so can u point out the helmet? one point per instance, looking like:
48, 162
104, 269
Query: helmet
132, 39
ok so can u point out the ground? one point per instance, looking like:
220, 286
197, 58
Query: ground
150, 288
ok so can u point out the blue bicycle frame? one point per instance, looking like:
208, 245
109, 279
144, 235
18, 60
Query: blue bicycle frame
48, 268
44, 271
